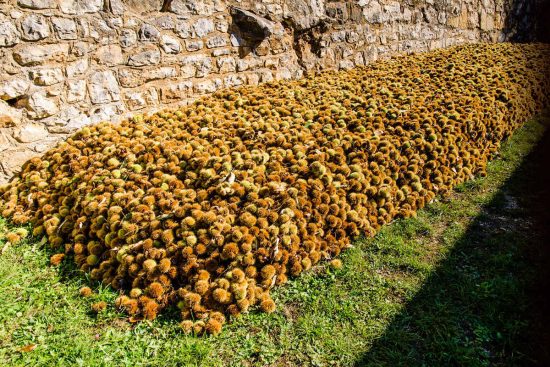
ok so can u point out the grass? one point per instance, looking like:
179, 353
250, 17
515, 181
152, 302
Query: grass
452, 286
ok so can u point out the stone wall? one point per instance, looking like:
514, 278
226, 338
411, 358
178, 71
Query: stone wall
69, 63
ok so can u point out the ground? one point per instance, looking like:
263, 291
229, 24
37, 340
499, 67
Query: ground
462, 284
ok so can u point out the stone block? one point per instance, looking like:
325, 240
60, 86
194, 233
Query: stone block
70, 119
271, 63
283, 74
177, 91
103, 87
76, 68
242, 65
13, 88
37, 4
9, 116
165, 72
266, 76
486, 21
144, 6
460, 20
216, 41
34, 27
192, 7
208, 86
203, 27
148, 33
76, 90
109, 55
80, 48
131, 78
263, 49
80, 7
65, 28
31, 54
184, 29
46, 76
39, 105
374, 13
116, 6
102, 32
9, 35
253, 79
193, 45
139, 99
29, 133
234, 80
165, 22
221, 52
222, 25
304, 14
128, 38
196, 66
110, 112
146, 56
169, 44
12, 160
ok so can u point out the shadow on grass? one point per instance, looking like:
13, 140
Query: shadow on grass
485, 305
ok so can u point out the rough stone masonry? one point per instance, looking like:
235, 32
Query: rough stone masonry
69, 63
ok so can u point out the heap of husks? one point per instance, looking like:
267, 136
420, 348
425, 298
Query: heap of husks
70, 63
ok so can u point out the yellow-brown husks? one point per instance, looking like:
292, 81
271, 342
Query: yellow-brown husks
135, 292
187, 326
130, 306
336, 264
56, 259
85, 291
13, 238
210, 206
155, 290
99, 306
267, 305
213, 326
150, 310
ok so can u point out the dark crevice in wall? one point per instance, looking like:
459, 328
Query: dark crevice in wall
16, 102
307, 39
166, 5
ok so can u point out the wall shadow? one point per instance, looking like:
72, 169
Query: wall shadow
527, 20
486, 304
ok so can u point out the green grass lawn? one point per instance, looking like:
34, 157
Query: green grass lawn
452, 287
